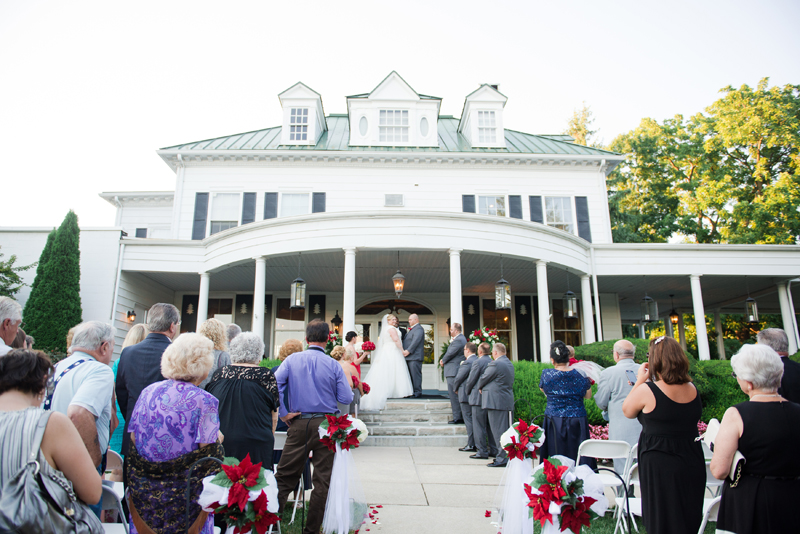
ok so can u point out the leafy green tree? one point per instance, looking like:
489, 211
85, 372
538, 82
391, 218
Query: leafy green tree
579, 126
10, 281
33, 306
58, 302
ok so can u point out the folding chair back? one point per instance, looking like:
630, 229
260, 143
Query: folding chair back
111, 501
280, 441
710, 512
603, 448
113, 460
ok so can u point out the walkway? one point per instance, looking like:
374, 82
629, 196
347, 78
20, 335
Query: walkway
427, 490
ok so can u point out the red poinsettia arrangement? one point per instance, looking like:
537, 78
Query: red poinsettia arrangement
346, 431
238, 494
484, 335
554, 496
522, 440
368, 346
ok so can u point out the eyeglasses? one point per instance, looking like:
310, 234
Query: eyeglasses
733, 374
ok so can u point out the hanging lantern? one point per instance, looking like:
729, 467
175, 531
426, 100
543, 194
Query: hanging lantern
502, 295
649, 310
398, 280
336, 322
674, 317
570, 305
750, 311
298, 290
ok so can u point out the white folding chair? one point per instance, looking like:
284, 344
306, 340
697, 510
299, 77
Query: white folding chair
603, 448
111, 501
710, 511
633, 504
280, 442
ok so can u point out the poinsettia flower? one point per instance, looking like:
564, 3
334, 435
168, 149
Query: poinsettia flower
263, 518
554, 473
539, 504
337, 423
238, 495
245, 473
576, 517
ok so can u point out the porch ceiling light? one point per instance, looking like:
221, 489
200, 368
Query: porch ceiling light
502, 292
298, 290
649, 309
131, 316
336, 322
750, 306
398, 280
673, 315
569, 302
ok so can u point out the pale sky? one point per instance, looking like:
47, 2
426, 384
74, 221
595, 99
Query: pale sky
89, 90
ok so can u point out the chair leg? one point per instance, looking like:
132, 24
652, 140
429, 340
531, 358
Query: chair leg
297, 499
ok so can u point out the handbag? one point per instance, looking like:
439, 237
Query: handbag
738, 458
35, 501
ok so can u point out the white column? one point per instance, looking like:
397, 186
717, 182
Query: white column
599, 330
456, 313
720, 337
259, 290
543, 298
787, 314
202, 303
699, 318
668, 327
641, 330
681, 331
349, 307
586, 308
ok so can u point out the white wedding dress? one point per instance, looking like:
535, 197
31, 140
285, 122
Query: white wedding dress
388, 376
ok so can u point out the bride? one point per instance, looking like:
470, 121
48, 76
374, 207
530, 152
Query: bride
388, 376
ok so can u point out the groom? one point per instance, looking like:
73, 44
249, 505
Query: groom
413, 345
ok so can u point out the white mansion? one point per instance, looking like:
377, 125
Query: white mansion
345, 201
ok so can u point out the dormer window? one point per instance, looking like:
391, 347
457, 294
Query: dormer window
486, 127
393, 125
298, 124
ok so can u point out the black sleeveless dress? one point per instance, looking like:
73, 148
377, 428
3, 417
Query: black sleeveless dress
672, 468
765, 497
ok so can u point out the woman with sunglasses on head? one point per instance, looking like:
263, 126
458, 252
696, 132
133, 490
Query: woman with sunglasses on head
672, 468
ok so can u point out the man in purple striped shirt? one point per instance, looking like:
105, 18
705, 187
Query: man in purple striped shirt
311, 382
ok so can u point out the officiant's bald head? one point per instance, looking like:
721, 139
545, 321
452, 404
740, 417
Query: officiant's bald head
413, 319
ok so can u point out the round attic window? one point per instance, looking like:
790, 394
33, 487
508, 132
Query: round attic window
362, 126
423, 127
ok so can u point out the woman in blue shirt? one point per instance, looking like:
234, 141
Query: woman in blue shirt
565, 421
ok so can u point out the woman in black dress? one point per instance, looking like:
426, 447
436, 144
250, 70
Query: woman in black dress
248, 401
762, 497
672, 468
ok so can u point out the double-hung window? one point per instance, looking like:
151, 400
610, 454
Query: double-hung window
393, 126
294, 204
492, 205
298, 124
558, 213
486, 127
225, 209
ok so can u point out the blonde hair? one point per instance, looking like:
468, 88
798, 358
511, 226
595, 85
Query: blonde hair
337, 352
290, 346
390, 316
349, 354
188, 358
215, 330
135, 335
70, 335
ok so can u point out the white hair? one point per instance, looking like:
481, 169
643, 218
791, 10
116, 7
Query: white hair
10, 309
247, 347
188, 358
233, 331
628, 351
775, 338
760, 365
90, 335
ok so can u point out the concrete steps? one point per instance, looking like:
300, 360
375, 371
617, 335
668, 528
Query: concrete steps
413, 423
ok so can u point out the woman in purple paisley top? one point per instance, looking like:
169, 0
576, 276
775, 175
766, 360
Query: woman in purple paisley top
175, 417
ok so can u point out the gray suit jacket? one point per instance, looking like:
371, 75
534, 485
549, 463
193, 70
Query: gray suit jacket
413, 343
475, 373
497, 383
454, 355
612, 388
461, 378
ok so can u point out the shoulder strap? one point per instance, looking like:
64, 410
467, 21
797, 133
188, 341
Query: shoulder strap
38, 434
48, 401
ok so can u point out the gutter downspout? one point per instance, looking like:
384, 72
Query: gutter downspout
791, 307
118, 218
599, 327
176, 198
116, 282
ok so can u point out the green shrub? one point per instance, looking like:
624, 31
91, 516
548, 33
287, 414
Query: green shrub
720, 390
602, 352
269, 363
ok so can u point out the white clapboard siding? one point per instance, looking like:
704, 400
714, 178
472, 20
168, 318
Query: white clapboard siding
136, 293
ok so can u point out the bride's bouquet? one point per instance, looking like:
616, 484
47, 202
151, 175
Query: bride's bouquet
346, 508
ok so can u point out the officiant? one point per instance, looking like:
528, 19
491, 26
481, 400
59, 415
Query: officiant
312, 383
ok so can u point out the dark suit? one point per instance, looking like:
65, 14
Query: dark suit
497, 384
414, 344
480, 421
139, 366
452, 358
790, 383
459, 383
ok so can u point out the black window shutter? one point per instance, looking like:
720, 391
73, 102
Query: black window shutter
515, 206
200, 214
318, 203
582, 212
249, 208
270, 205
536, 209
468, 203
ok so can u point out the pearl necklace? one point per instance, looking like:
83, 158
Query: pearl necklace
764, 395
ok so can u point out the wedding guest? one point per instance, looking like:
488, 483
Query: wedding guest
350, 373
135, 335
30, 341
314, 383
233, 331
214, 330
19, 340
248, 401
777, 340
763, 493
10, 319
451, 359
484, 441
463, 398
358, 389
289, 347
70, 334
497, 398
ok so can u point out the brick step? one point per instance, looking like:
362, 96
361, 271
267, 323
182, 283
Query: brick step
405, 417
412, 429
417, 441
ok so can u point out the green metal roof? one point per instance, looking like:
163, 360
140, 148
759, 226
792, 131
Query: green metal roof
337, 136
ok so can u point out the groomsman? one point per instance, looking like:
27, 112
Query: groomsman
480, 423
497, 397
450, 361
463, 399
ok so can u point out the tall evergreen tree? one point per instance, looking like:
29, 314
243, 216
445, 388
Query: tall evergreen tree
30, 315
58, 305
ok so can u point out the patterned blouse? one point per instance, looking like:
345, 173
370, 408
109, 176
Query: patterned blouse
565, 391
263, 376
172, 418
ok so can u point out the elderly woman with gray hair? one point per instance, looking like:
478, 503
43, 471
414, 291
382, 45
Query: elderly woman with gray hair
765, 430
248, 401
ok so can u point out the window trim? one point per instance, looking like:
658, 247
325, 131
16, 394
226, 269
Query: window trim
212, 196
281, 194
394, 126
298, 125
478, 197
573, 220
481, 129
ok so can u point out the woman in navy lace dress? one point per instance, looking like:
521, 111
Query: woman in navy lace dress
565, 421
